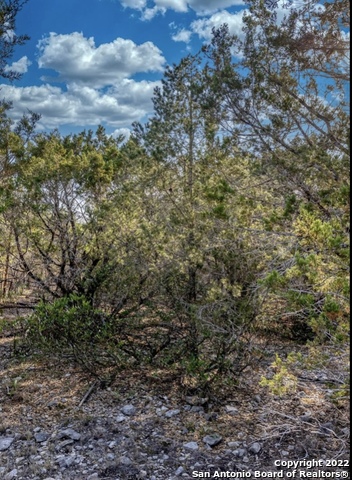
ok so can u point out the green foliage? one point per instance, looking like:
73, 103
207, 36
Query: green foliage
72, 326
332, 325
342, 392
226, 211
196, 373
67, 321
290, 206
273, 280
282, 382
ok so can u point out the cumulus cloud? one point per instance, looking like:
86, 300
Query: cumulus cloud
176, 5
206, 7
149, 13
81, 105
21, 66
137, 4
126, 132
96, 84
203, 26
77, 59
201, 7
182, 36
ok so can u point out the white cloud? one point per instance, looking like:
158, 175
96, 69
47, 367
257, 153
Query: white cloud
201, 7
82, 106
206, 7
203, 27
176, 5
142, 6
136, 4
126, 132
21, 66
150, 13
97, 87
77, 59
8, 35
182, 36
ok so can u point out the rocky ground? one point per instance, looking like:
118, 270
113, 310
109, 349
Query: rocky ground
144, 426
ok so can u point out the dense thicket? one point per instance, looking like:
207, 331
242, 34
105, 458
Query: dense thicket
225, 217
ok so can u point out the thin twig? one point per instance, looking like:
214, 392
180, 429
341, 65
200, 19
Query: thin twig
88, 393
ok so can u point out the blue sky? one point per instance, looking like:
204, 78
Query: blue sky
97, 62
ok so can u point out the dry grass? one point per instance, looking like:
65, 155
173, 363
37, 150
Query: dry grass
46, 392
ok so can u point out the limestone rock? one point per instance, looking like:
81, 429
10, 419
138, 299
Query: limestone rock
172, 413
69, 433
5, 443
11, 475
128, 410
255, 448
196, 401
120, 418
231, 410
191, 446
213, 439
41, 437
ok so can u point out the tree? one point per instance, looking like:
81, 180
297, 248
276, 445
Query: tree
52, 197
174, 136
8, 142
226, 212
206, 206
284, 98
8, 36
